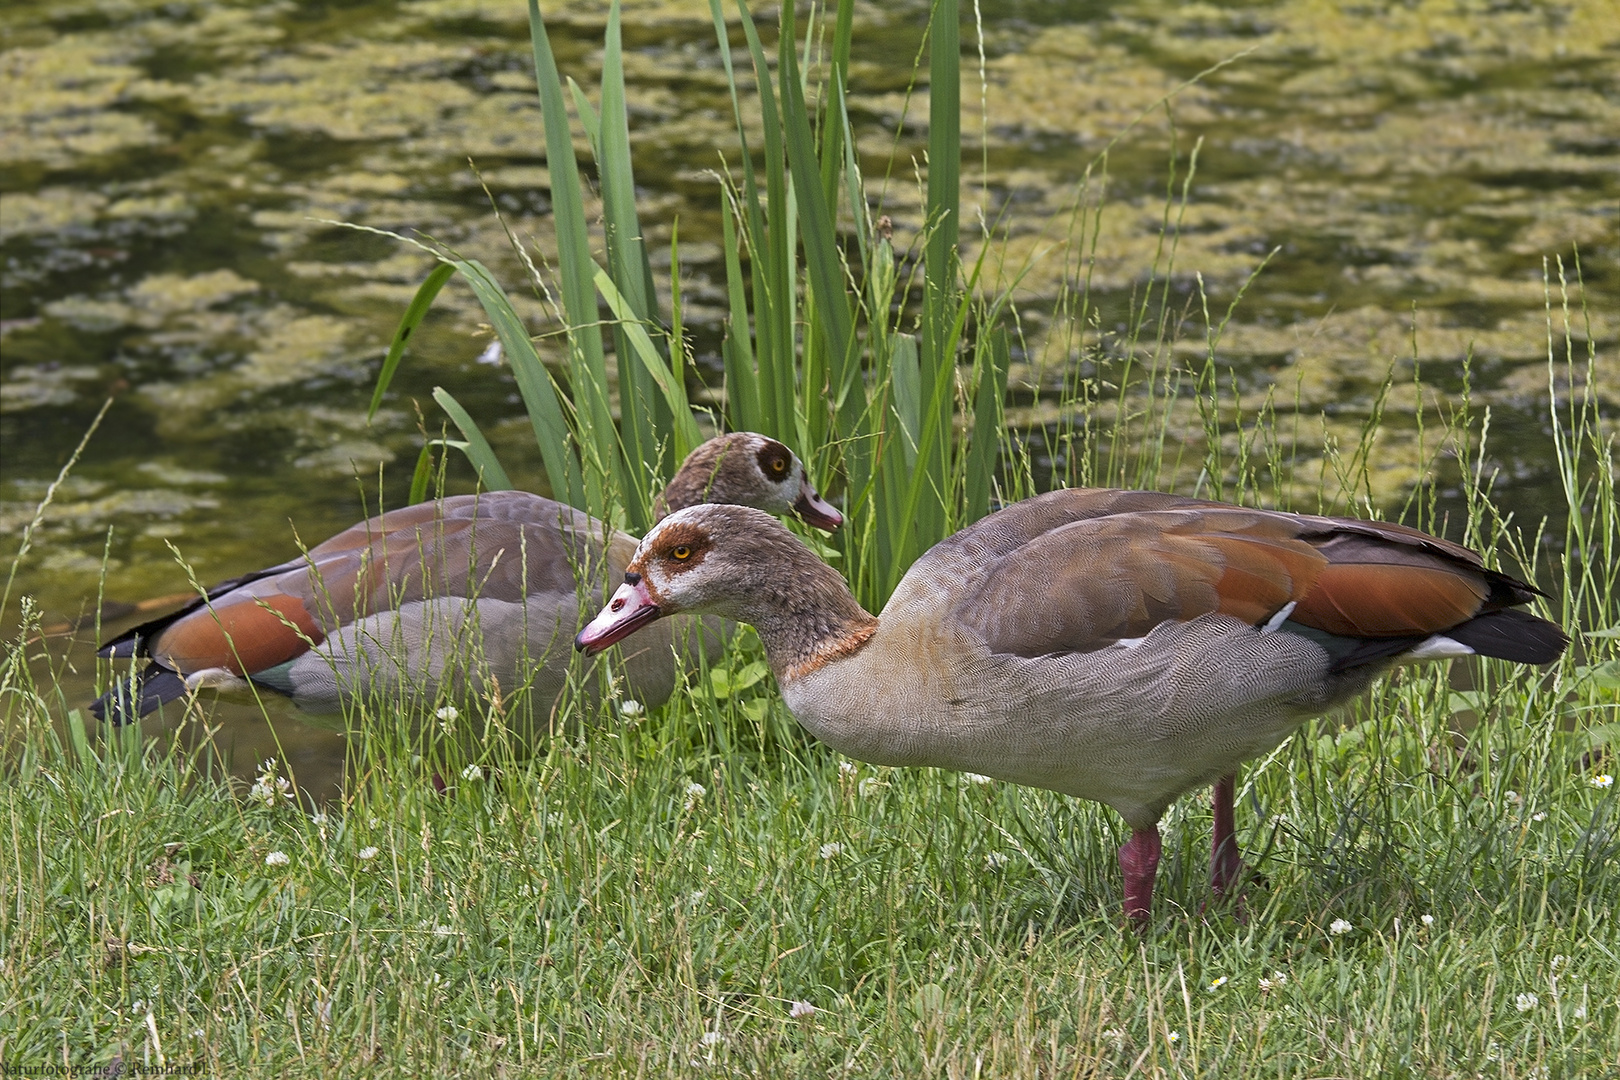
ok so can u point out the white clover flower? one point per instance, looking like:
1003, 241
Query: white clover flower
367, 854
448, 713
711, 1038
1539, 815
801, 1010
268, 788
442, 930
1526, 1002
977, 778
1579, 1013
1340, 926
1266, 984
631, 708
1559, 961
1511, 798
1217, 984
1115, 1035
832, 850
845, 769
277, 858
1426, 920
1602, 780
870, 786
995, 861
472, 772
694, 792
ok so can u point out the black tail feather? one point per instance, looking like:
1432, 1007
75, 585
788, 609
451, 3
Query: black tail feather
133, 696
1512, 635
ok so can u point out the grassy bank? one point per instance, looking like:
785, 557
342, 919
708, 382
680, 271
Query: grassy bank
654, 898
658, 895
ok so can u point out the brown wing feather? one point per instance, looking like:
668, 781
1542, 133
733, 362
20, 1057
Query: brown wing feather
1087, 581
1390, 600
240, 634
478, 547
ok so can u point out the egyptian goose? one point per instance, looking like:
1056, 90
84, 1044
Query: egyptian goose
1121, 646
476, 588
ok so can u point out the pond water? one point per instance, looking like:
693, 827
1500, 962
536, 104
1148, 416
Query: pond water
172, 170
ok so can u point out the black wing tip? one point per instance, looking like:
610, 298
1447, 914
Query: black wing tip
1513, 635
133, 696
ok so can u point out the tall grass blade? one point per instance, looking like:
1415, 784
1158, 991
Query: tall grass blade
770, 238
534, 384
824, 264
576, 270
642, 413
742, 377
939, 338
490, 474
654, 368
983, 452
415, 311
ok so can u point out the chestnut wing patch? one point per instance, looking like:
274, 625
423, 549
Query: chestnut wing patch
1088, 583
274, 618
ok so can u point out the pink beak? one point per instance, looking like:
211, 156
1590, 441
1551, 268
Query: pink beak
630, 608
815, 510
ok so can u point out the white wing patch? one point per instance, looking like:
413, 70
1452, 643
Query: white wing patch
1281, 617
1438, 647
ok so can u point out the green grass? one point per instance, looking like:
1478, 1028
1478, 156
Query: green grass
588, 912
585, 910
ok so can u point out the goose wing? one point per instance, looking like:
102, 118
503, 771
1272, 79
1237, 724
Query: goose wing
1079, 571
502, 545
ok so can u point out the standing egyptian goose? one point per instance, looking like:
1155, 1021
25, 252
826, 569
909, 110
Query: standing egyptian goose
1121, 646
475, 590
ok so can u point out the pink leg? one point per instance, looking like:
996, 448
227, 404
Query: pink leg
1138, 863
1224, 865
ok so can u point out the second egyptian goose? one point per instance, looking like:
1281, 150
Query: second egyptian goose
477, 591
1121, 646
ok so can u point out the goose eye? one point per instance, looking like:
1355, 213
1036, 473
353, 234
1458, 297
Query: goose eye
778, 466
681, 552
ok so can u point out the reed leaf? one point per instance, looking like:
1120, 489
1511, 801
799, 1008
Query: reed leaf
540, 397
597, 438
642, 413
491, 477
415, 312
640, 346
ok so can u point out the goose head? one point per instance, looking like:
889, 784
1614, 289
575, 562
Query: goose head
716, 559
748, 469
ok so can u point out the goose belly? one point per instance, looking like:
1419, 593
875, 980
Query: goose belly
1133, 725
